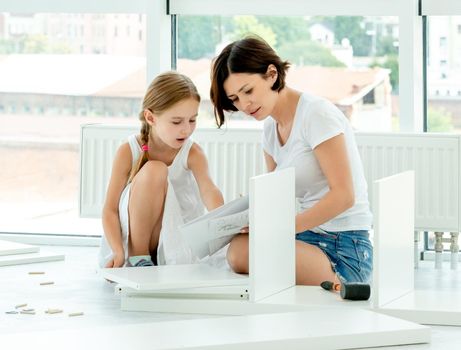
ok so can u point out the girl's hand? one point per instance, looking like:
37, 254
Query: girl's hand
117, 260
245, 229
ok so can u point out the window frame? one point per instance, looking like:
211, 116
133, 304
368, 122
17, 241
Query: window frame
432, 8
440, 8
158, 22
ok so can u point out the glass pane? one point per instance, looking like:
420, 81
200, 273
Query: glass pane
444, 74
59, 71
352, 61
445, 242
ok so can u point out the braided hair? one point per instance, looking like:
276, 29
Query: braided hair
166, 90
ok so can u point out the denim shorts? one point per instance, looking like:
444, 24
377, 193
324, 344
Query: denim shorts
350, 252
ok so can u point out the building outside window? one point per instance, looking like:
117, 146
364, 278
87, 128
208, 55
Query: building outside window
444, 74
55, 78
343, 59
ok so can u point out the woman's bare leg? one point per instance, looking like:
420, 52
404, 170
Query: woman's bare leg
237, 254
145, 208
312, 265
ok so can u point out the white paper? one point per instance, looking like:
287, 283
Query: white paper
212, 231
228, 225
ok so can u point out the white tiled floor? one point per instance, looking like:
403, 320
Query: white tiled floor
77, 287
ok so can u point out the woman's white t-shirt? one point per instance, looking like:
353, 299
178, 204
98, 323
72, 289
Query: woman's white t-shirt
317, 120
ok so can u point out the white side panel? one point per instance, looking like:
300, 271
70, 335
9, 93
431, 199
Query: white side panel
435, 160
393, 272
272, 233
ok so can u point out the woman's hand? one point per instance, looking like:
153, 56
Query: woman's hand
245, 229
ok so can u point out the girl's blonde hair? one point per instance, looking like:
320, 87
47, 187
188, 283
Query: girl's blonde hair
166, 90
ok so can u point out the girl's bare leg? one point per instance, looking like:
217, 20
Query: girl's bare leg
145, 208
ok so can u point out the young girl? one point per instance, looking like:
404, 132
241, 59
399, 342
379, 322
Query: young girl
159, 180
313, 136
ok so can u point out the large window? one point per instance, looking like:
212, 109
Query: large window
59, 71
67, 63
352, 61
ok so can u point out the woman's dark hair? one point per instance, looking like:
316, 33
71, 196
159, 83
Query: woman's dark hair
249, 55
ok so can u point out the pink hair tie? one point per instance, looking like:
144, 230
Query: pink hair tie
145, 148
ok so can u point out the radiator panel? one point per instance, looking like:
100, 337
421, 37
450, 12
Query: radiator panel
235, 155
98, 145
435, 160
233, 158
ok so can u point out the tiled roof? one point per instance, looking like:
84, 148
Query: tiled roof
118, 76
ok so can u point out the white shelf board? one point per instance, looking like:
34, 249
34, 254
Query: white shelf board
314, 296
319, 328
12, 248
431, 307
296, 298
165, 277
203, 305
427, 307
30, 258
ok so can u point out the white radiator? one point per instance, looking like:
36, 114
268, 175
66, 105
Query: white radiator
435, 160
233, 158
235, 155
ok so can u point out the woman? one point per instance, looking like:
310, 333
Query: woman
313, 136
